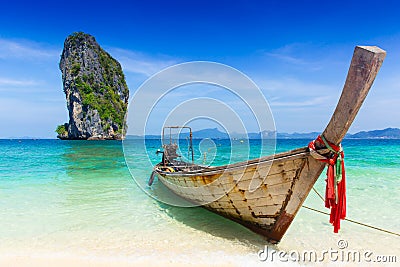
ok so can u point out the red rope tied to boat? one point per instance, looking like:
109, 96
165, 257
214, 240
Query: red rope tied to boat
335, 194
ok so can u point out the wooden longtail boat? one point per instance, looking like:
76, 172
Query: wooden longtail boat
282, 181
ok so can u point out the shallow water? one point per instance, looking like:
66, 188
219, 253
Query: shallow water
78, 197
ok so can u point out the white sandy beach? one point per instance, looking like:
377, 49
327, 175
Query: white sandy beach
188, 247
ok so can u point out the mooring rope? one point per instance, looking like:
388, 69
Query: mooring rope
349, 220
315, 190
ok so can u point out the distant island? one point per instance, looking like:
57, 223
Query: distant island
388, 133
214, 133
95, 90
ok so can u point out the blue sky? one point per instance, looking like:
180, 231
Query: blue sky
298, 53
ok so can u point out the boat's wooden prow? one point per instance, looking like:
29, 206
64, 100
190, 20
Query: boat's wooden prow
364, 67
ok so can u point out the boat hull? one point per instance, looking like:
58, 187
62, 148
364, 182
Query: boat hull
264, 194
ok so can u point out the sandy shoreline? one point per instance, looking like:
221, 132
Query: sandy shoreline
188, 248
195, 248
127, 248
64, 259
49, 261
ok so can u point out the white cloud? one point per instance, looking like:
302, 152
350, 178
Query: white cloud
26, 50
292, 54
316, 101
137, 62
309, 57
287, 91
14, 82
287, 58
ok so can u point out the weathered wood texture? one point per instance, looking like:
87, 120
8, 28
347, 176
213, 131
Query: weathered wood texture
364, 67
228, 192
283, 180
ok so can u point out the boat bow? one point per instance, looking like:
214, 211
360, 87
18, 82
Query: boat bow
285, 179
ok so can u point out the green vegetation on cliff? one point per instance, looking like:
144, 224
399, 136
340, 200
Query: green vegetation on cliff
99, 80
61, 130
103, 98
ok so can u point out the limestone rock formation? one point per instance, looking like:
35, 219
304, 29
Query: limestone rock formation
95, 90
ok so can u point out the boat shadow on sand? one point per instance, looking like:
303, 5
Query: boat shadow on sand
208, 222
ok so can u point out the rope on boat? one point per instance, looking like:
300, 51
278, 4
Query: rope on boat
335, 194
315, 190
363, 224
349, 220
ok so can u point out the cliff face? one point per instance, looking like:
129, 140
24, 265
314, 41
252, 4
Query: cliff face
95, 90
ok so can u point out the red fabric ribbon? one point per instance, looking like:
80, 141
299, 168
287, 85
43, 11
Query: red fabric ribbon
335, 193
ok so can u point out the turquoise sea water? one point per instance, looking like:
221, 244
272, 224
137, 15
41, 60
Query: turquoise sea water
78, 197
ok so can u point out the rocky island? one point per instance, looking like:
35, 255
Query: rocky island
95, 90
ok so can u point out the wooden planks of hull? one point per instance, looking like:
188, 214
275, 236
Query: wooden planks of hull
227, 192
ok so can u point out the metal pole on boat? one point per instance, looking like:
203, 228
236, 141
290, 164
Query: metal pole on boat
191, 144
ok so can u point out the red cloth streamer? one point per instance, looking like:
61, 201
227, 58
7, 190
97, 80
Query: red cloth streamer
335, 194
